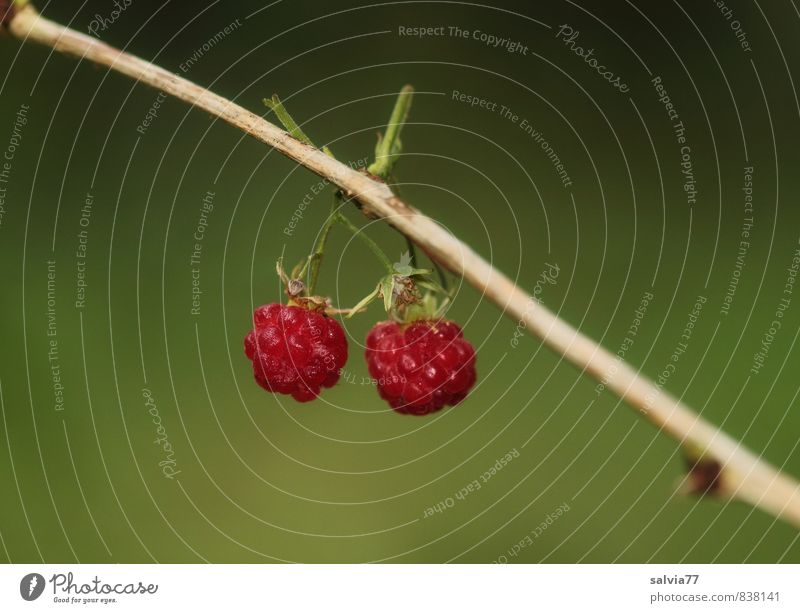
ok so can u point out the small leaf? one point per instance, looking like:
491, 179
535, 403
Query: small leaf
286, 119
406, 268
408, 271
290, 124
405, 259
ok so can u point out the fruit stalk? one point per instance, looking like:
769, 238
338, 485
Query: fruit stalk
743, 474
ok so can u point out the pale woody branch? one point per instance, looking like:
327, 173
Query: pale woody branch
744, 475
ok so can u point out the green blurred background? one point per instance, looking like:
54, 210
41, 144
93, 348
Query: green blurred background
344, 479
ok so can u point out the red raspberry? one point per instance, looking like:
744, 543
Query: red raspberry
295, 351
422, 366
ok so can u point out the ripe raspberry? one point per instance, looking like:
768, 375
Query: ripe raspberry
295, 351
422, 366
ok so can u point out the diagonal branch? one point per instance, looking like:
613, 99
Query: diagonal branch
720, 463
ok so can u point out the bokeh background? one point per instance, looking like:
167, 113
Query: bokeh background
250, 477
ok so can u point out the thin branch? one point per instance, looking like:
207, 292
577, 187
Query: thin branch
743, 475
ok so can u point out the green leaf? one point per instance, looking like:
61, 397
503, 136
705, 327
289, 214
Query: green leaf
408, 271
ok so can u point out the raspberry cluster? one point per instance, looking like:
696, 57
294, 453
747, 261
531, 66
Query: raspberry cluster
422, 366
295, 351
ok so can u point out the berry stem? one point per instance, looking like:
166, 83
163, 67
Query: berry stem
315, 260
744, 475
412, 250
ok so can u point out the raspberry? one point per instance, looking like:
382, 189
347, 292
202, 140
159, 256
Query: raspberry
422, 366
295, 351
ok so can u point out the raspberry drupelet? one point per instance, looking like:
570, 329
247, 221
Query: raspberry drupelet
422, 366
295, 351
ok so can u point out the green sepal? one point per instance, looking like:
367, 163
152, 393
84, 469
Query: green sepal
408, 271
364, 302
387, 289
